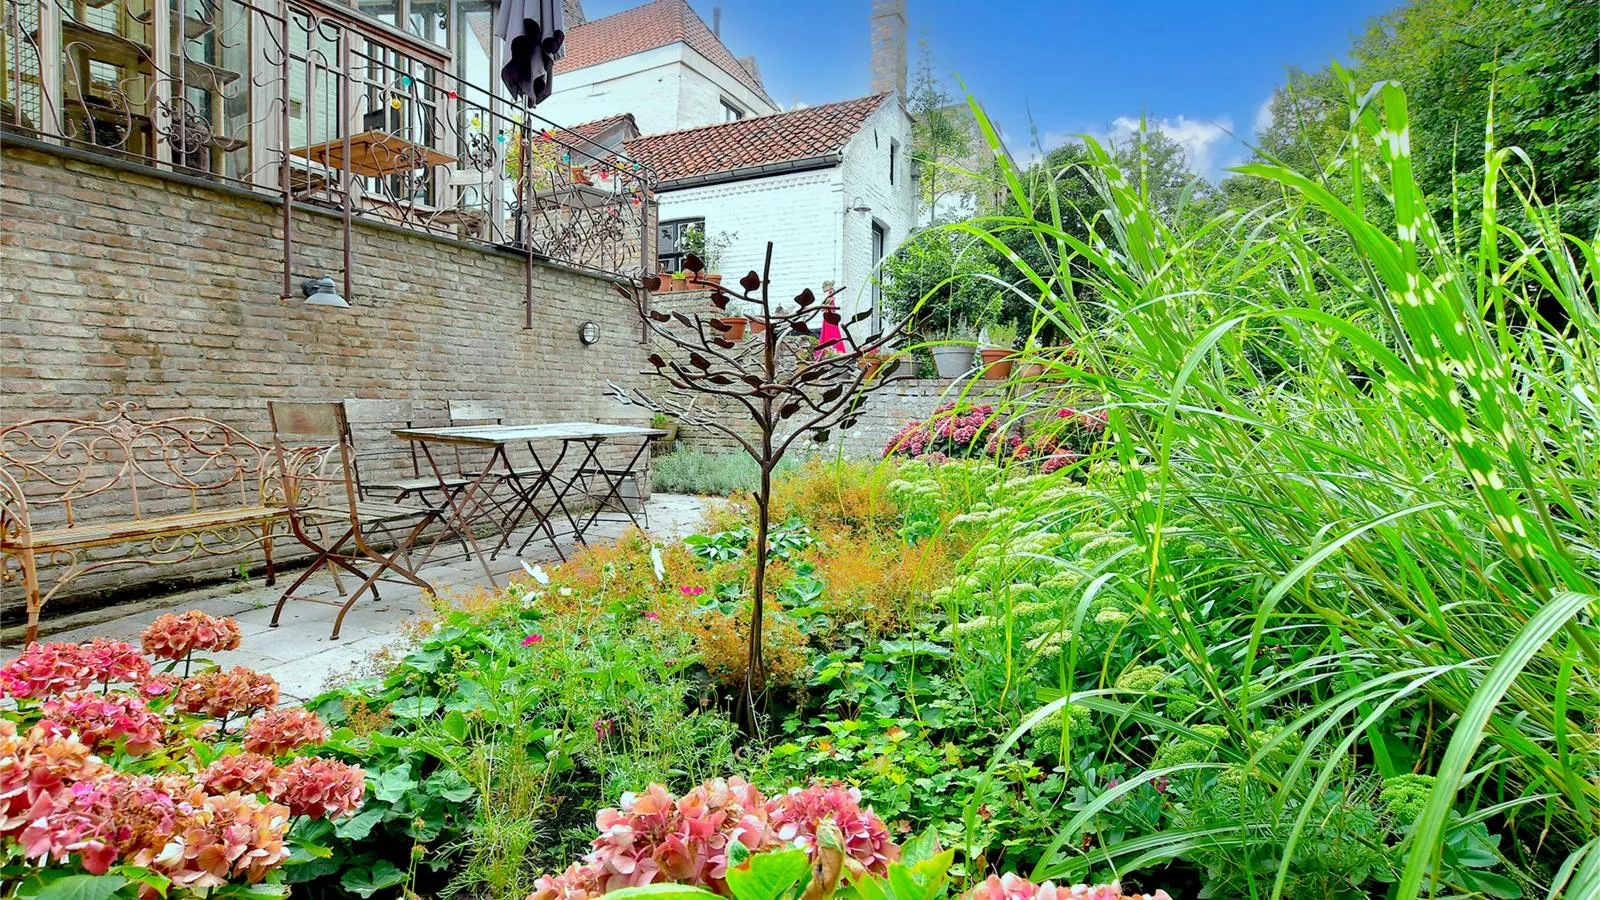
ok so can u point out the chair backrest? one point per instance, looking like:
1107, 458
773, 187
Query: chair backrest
379, 455
464, 412
302, 434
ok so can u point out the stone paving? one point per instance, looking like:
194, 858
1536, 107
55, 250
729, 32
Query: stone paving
298, 652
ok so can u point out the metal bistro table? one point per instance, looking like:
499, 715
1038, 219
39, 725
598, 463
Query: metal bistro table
473, 501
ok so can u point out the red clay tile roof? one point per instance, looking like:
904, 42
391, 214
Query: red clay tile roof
592, 130
646, 28
762, 140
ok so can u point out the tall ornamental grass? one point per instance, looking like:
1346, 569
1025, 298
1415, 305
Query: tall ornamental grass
1378, 431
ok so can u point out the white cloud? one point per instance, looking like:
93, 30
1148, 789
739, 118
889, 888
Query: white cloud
1264, 115
1200, 138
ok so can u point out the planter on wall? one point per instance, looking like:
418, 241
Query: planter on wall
952, 360
736, 325
996, 362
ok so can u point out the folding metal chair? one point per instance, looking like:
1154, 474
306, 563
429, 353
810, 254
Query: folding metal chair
327, 513
387, 468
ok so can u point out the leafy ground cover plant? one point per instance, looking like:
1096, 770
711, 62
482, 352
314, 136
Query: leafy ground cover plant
120, 777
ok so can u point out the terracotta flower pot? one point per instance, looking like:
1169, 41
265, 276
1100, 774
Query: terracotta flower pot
997, 362
757, 326
736, 325
870, 363
1032, 370
713, 278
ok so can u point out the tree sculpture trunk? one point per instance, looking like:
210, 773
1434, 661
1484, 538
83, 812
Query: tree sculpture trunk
823, 392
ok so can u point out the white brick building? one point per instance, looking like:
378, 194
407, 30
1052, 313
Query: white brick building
829, 185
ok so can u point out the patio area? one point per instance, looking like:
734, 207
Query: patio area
298, 652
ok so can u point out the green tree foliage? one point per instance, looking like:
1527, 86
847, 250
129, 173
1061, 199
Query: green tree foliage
943, 278
1536, 61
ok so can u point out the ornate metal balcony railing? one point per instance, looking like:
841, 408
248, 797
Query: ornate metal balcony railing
320, 105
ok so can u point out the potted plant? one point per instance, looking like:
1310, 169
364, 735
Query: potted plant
953, 357
884, 361
664, 422
680, 281
710, 250
1032, 368
998, 350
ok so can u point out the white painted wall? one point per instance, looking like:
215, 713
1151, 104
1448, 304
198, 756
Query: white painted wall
865, 182
798, 212
666, 89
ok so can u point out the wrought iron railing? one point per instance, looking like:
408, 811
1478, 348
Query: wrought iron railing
323, 106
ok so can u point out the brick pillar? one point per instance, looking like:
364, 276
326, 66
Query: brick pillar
889, 46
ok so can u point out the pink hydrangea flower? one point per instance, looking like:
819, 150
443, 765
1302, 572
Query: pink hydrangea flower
532, 639
796, 815
220, 694
319, 788
246, 772
176, 636
277, 731
578, 882
1014, 887
100, 720
44, 670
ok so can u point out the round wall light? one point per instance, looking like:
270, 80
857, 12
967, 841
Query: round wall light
588, 332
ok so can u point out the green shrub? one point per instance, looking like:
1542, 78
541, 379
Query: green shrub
711, 474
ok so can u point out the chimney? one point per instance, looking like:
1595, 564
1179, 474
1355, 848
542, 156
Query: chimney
716, 21
889, 46
572, 11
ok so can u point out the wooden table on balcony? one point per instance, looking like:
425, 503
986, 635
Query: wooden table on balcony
374, 154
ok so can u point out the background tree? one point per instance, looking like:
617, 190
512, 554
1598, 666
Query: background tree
949, 158
1540, 63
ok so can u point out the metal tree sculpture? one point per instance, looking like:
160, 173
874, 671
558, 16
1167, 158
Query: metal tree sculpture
824, 388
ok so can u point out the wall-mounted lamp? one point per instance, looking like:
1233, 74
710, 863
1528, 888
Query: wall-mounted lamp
860, 206
323, 292
588, 333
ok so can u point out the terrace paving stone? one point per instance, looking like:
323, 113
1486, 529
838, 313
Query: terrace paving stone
298, 652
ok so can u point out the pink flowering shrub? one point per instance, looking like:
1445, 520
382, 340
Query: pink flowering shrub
953, 431
653, 837
1015, 887
116, 776
1056, 441
101, 720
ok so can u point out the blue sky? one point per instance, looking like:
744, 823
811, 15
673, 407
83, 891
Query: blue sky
1199, 69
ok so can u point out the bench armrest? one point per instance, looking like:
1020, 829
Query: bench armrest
14, 527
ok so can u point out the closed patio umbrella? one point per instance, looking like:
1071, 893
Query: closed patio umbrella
531, 33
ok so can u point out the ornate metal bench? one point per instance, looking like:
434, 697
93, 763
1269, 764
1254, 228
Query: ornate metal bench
180, 488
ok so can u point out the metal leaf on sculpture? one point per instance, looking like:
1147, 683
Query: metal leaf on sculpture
719, 300
832, 394
789, 409
692, 263
660, 316
750, 281
655, 359
832, 317
800, 328
652, 283
805, 298
684, 320
699, 361
723, 343
860, 316
719, 380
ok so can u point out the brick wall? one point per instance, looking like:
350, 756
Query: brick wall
124, 285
